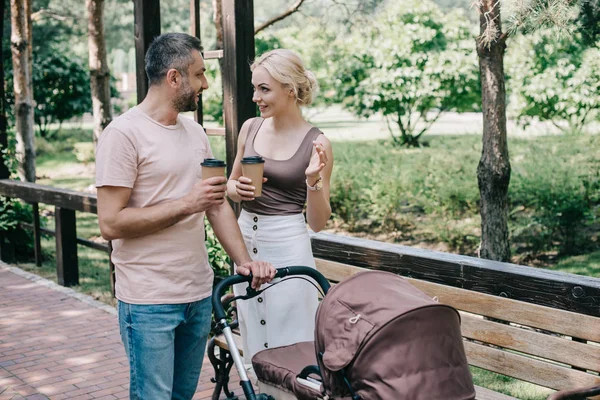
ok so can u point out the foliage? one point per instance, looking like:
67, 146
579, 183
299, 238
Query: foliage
555, 78
561, 195
317, 46
413, 61
84, 152
589, 21
218, 259
431, 194
61, 89
18, 239
212, 98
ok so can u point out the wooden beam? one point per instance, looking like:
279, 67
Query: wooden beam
147, 27
34, 193
37, 234
67, 266
580, 294
215, 131
195, 31
212, 54
238, 43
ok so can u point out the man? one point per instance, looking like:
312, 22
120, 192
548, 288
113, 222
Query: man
151, 204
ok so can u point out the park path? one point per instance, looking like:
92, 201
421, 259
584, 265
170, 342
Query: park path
57, 344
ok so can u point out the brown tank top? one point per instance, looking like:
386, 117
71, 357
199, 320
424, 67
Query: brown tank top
284, 193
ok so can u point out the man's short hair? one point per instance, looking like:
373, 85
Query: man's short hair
170, 50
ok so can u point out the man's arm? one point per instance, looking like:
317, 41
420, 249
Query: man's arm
222, 219
117, 221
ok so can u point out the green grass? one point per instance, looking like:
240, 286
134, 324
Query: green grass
585, 264
509, 386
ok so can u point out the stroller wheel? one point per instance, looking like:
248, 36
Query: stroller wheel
263, 396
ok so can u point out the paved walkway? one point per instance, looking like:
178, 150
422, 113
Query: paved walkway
57, 344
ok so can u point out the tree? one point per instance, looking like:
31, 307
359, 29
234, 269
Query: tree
555, 78
99, 72
493, 171
63, 89
412, 64
25, 150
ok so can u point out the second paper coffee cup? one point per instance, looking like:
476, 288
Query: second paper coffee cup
253, 168
212, 167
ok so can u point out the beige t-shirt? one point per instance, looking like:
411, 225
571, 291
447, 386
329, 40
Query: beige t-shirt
160, 163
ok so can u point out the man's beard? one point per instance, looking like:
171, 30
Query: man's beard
186, 101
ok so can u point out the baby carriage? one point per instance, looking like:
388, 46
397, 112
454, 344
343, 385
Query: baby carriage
376, 337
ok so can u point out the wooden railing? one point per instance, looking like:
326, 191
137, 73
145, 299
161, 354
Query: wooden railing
65, 203
560, 290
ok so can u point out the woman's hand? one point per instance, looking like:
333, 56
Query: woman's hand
318, 161
245, 189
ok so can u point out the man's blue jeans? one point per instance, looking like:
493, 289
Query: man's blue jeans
165, 344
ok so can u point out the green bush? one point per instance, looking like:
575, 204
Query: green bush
218, 259
413, 63
16, 239
559, 187
84, 152
554, 78
431, 193
61, 89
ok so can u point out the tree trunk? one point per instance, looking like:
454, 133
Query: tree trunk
99, 72
4, 172
29, 35
25, 151
218, 20
493, 171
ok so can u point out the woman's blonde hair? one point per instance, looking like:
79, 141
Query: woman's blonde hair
287, 68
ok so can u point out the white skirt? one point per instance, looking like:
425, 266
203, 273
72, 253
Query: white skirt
285, 313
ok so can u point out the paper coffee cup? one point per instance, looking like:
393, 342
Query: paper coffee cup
212, 167
253, 168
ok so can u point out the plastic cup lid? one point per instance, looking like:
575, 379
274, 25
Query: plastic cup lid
253, 160
213, 162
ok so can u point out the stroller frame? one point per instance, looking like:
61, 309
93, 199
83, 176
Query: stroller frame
226, 328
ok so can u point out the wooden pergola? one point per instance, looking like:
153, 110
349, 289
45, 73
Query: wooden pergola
238, 52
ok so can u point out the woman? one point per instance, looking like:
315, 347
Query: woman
298, 164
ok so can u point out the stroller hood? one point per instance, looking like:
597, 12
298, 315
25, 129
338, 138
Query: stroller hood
380, 328
354, 310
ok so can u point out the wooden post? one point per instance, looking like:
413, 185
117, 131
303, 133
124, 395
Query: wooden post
111, 269
67, 268
37, 234
147, 27
195, 31
238, 53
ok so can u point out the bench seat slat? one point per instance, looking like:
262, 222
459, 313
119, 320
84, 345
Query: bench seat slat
528, 369
482, 393
222, 343
528, 341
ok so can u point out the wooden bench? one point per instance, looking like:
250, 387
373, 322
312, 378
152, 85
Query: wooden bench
548, 346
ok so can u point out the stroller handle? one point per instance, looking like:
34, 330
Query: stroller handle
281, 272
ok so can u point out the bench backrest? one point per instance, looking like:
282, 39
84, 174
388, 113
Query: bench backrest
549, 347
